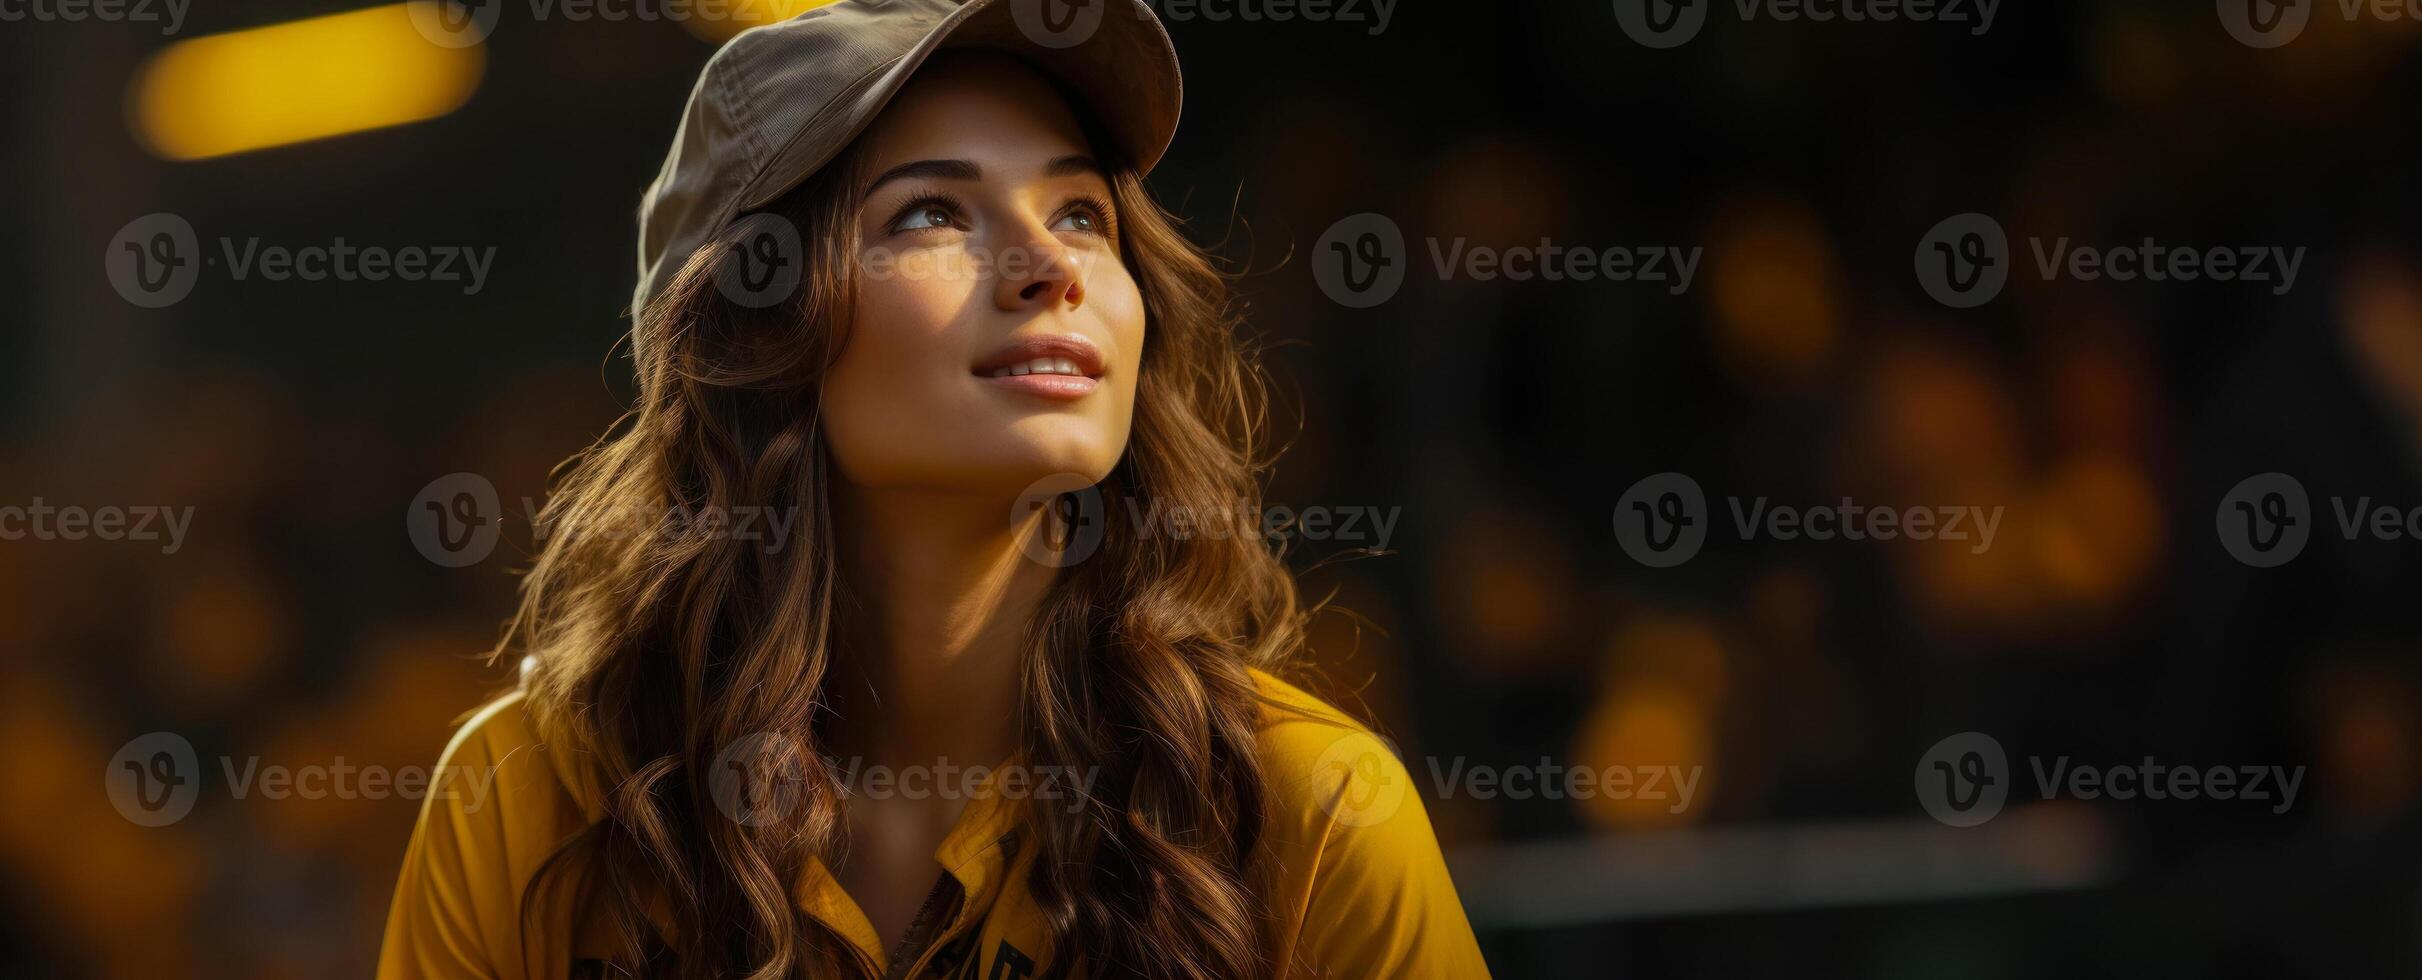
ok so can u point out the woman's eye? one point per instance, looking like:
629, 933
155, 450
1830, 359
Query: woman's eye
1085, 219
923, 217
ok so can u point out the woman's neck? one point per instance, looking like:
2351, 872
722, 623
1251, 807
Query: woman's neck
930, 659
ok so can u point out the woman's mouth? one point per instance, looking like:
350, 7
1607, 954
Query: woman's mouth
1040, 365
1053, 366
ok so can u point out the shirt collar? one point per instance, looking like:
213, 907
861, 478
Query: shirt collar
977, 852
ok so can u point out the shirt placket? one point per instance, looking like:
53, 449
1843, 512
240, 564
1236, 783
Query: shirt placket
918, 944
974, 858
973, 885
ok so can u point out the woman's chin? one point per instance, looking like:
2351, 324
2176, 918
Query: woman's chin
1068, 447
1065, 472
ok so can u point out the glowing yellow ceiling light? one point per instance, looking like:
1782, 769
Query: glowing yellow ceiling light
302, 80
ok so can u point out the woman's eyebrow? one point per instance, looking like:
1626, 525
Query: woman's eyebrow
1068, 166
1072, 165
934, 169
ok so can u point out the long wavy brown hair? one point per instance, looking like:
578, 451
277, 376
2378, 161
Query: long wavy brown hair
648, 655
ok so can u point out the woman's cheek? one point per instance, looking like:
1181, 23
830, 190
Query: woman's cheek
1124, 315
885, 395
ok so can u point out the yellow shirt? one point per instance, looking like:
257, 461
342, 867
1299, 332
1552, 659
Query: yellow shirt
1355, 873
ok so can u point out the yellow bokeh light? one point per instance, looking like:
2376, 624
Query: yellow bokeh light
296, 81
1640, 728
1778, 303
2098, 528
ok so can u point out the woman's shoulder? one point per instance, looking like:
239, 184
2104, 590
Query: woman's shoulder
1324, 765
495, 811
1292, 715
502, 775
497, 730
1354, 868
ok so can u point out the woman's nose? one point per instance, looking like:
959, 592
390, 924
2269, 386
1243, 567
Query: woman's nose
1039, 274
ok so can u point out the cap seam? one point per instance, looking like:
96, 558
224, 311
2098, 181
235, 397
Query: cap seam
766, 162
744, 113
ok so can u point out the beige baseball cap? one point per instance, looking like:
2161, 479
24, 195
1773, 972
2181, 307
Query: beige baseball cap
779, 101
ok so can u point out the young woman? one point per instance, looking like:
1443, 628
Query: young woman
900, 284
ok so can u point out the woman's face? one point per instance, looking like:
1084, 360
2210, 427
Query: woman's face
997, 336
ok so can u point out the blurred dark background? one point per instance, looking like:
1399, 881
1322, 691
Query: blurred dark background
298, 624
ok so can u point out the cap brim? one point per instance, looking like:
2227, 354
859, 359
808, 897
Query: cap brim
1121, 65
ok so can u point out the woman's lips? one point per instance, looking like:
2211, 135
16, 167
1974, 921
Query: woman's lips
1064, 366
1067, 386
